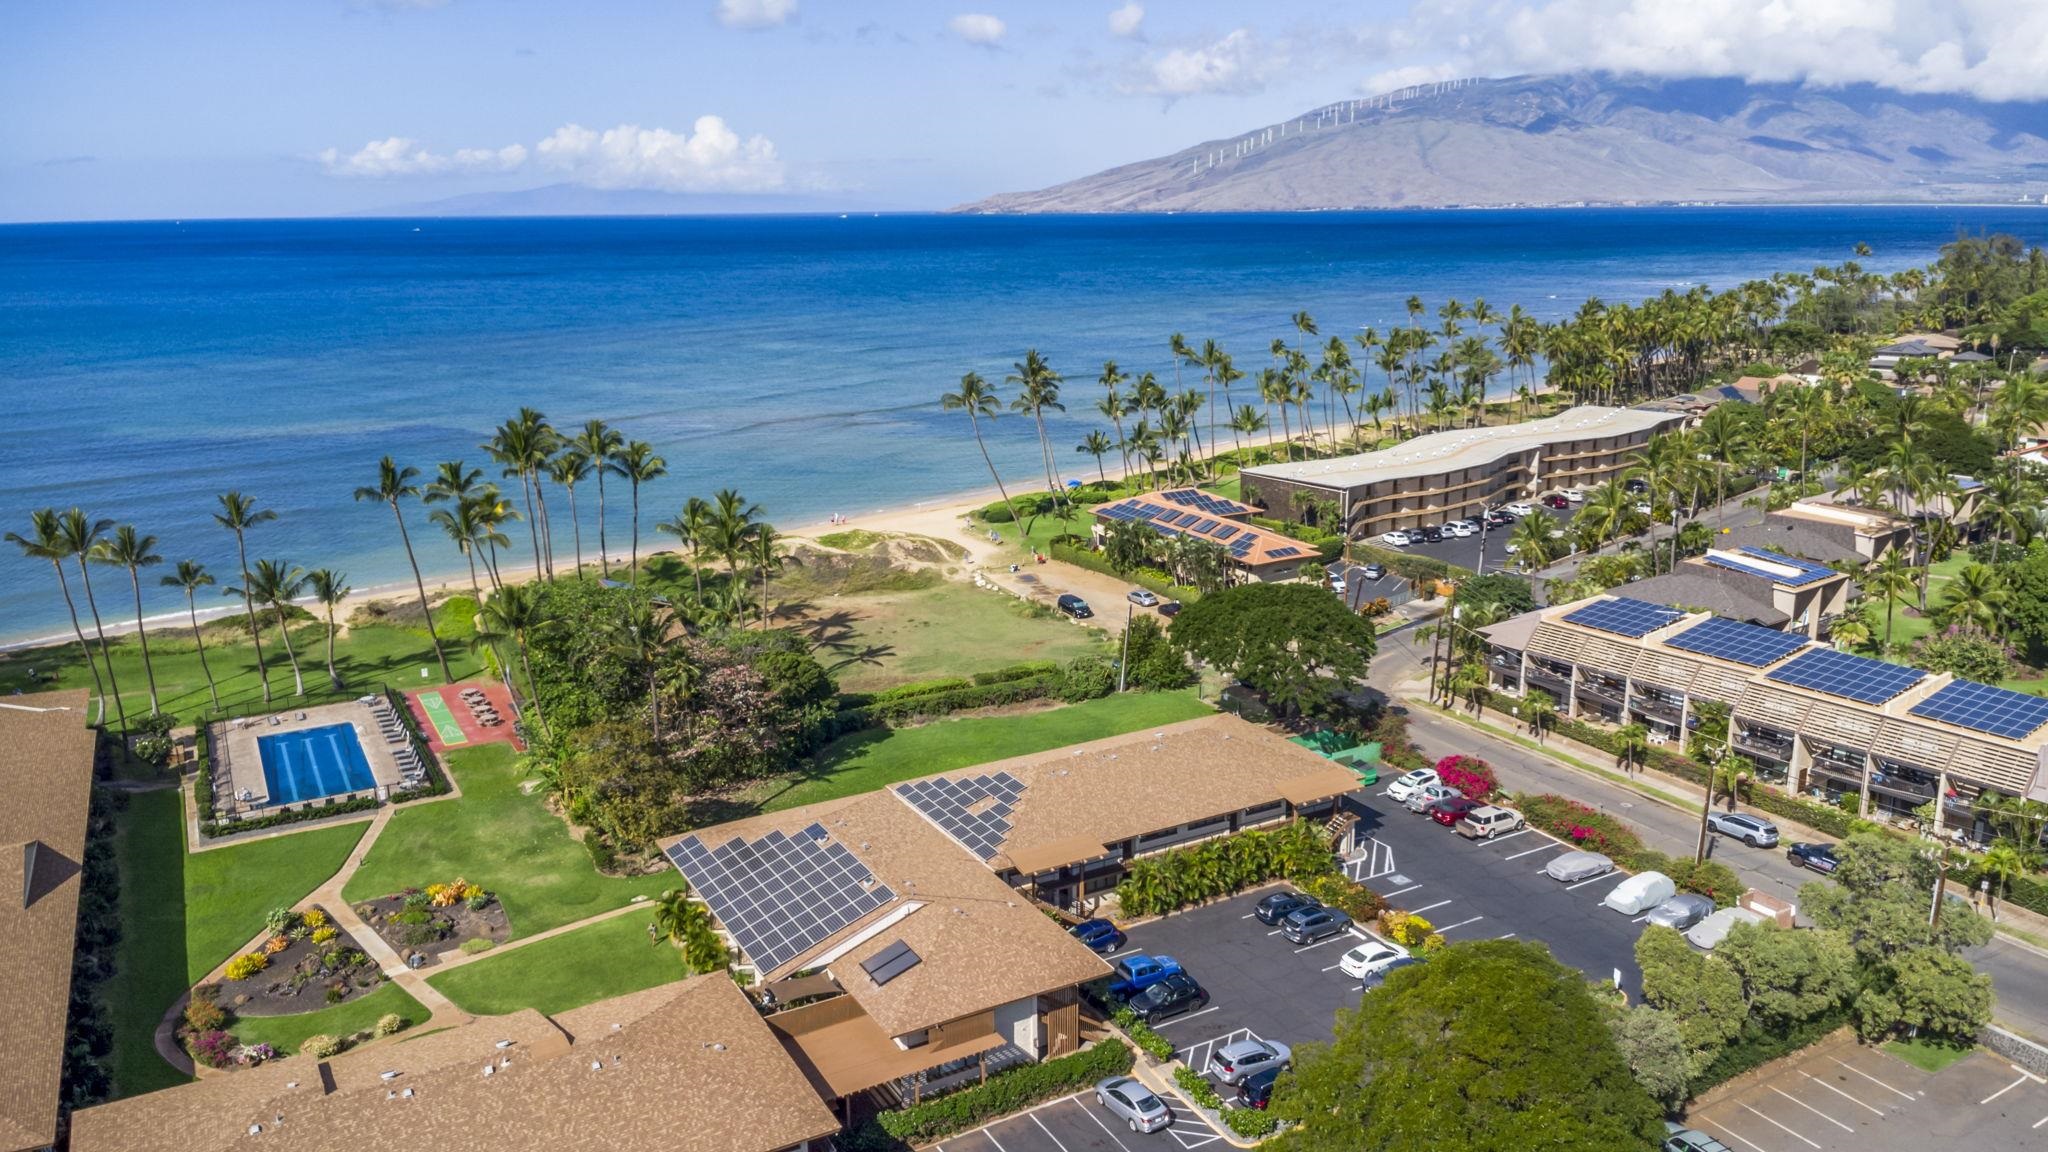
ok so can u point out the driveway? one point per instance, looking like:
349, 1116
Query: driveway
1078, 1124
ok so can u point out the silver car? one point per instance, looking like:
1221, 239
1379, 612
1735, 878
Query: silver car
1420, 799
1681, 911
1754, 831
1573, 866
1134, 1103
1233, 1062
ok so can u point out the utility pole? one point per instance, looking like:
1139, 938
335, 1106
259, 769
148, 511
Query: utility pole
1123, 666
1707, 807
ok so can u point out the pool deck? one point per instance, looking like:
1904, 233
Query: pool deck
238, 767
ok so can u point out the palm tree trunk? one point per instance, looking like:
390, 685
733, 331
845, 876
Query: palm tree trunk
576, 530
633, 574
298, 679
142, 635
697, 565
532, 692
604, 564
199, 642
547, 528
420, 585
333, 677
532, 524
249, 609
71, 606
120, 713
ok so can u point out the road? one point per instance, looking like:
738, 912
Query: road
2019, 971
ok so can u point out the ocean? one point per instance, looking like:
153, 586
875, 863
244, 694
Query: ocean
149, 366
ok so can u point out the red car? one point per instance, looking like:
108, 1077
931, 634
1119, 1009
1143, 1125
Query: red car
1556, 501
1449, 812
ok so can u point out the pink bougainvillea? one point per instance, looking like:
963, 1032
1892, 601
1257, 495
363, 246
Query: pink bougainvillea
1471, 776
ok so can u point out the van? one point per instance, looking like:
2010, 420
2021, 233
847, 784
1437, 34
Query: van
1640, 893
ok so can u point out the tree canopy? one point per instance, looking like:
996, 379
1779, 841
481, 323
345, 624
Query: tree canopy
1510, 594
1295, 644
1703, 998
1492, 1045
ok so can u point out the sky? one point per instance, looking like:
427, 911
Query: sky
159, 109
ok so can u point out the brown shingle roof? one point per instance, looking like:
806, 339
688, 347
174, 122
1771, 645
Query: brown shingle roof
691, 1067
46, 760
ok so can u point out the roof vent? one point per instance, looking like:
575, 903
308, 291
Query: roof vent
255, 1129
390, 1095
508, 1043
407, 1093
291, 1083
490, 1069
597, 1065
388, 1074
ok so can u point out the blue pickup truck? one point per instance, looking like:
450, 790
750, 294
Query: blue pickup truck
1134, 974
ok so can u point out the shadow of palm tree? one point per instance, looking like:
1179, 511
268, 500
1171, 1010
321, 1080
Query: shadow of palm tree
872, 656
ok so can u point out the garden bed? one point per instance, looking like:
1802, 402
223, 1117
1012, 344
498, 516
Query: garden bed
316, 964
427, 922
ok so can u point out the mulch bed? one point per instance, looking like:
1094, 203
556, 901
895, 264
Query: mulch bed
439, 930
304, 977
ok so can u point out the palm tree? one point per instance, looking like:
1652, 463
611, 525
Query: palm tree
569, 468
522, 445
1723, 437
1112, 404
639, 465
600, 442
81, 537
1631, 744
514, 612
394, 484
461, 525
1531, 541
128, 549
769, 556
238, 514
1891, 577
732, 527
1039, 389
277, 583
1096, 445
692, 529
977, 399
2002, 865
330, 588
192, 576
1248, 421
1850, 633
1976, 598
44, 543
1541, 712
1728, 776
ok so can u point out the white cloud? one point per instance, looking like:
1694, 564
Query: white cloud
978, 28
391, 156
1238, 63
1125, 21
709, 158
755, 13
506, 159
1394, 79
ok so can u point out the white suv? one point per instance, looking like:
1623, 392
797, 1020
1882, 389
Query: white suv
1488, 822
1410, 783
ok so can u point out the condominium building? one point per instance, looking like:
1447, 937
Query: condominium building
1449, 475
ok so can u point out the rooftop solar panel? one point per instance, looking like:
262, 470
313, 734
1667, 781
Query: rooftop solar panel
1737, 641
1205, 525
973, 810
890, 963
1847, 676
780, 896
1735, 565
1983, 708
1227, 533
1808, 570
1283, 553
1624, 617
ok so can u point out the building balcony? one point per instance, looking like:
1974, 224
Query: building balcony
1559, 684
1842, 765
1603, 689
1763, 742
1659, 706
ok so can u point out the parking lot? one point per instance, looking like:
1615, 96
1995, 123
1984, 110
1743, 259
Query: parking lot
1078, 1124
1464, 551
1845, 1096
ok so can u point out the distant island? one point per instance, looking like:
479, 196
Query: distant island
1588, 139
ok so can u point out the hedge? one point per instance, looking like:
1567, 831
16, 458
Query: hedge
922, 688
1754, 1047
941, 703
1005, 1092
1149, 1042
1180, 877
1327, 545
298, 815
2028, 892
1074, 550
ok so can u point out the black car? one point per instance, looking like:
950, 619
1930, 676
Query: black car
1076, 607
1432, 533
1256, 1091
1172, 996
1638, 487
1277, 907
1499, 519
1819, 857
1169, 608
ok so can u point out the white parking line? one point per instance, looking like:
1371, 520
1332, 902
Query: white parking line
1511, 836
1529, 852
1459, 924
1779, 1127
1640, 919
1048, 1133
1872, 1079
1100, 1124
1839, 1092
1398, 891
2041, 1121
1505, 936
2009, 1087
1726, 1131
1184, 1019
1596, 880
1812, 1109
1427, 907
1340, 937
992, 1139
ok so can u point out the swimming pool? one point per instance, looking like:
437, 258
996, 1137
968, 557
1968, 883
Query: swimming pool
314, 762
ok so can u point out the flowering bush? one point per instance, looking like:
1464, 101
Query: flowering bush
324, 934
215, 1049
202, 1015
1404, 928
313, 918
1583, 825
246, 965
455, 891
255, 1053
276, 944
390, 1024
1469, 775
320, 1045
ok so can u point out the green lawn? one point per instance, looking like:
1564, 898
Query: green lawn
500, 837
568, 971
285, 1033
1927, 1055
1907, 624
181, 915
877, 758
951, 629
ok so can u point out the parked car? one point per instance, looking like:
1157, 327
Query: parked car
1500, 517
1574, 866
1520, 508
1172, 996
1679, 1138
1374, 571
1682, 911
1406, 784
1134, 1103
1237, 1060
1643, 508
1432, 534
1819, 857
1640, 893
1169, 608
1308, 925
1448, 812
1374, 979
1638, 487
1574, 495
1459, 529
1419, 800
1139, 972
1280, 905
1556, 500
1487, 821
1754, 831
1714, 928
1074, 606
1100, 935
1142, 597
1369, 958
1257, 1090
1337, 583
1396, 539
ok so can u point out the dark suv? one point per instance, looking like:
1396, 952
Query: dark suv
1280, 905
1819, 857
1076, 607
1257, 1089
1172, 996
1308, 925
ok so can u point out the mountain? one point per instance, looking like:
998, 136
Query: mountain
1588, 138
577, 200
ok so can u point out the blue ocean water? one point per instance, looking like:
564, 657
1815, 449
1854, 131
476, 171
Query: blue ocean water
149, 366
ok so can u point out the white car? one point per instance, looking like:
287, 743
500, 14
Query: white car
1411, 782
1520, 508
1511, 548
1574, 495
1460, 528
1643, 507
1369, 958
1396, 538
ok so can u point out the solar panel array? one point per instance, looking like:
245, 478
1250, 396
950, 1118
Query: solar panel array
1847, 676
1808, 570
975, 810
1198, 499
780, 896
1984, 708
1624, 617
1208, 520
890, 963
1735, 564
1737, 641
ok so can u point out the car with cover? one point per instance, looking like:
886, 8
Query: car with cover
1571, 867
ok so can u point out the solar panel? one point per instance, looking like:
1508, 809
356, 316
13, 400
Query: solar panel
1735, 565
1847, 676
1734, 640
1205, 525
1624, 617
1227, 533
1808, 570
890, 963
780, 896
973, 810
1150, 511
1983, 708
1283, 553
1182, 495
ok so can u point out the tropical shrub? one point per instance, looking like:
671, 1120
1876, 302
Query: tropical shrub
1086, 678
477, 899
1404, 928
1251, 1122
1470, 775
313, 918
1008, 1091
1154, 885
390, 1024
1339, 891
203, 1015
1197, 1087
215, 1049
451, 893
320, 1045
1148, 1041
276, 944
246, 965
278, 920
1583, 825
476, 944
323, 935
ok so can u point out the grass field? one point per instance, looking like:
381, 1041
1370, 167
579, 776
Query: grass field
228, 890
568, 971
877, 758
951, 629
285, 1033
1907, 624
500, 837
1927, 1055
